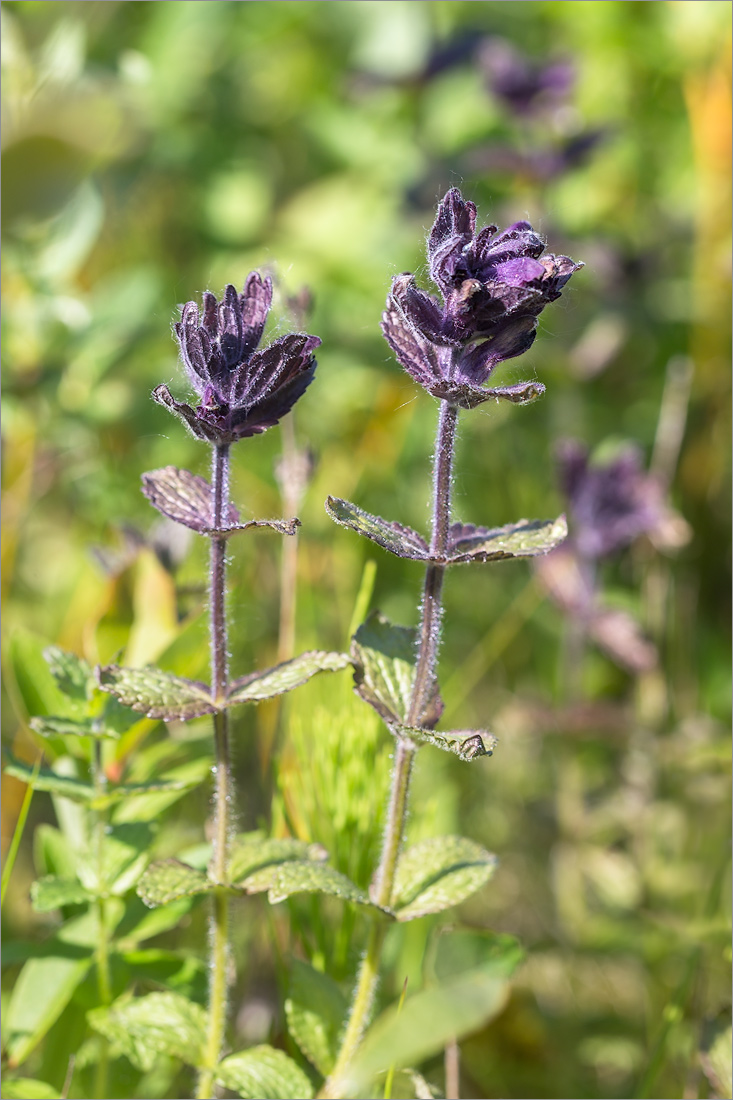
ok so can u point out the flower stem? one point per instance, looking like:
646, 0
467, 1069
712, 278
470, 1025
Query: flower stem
104, 985
219, 957
427, 654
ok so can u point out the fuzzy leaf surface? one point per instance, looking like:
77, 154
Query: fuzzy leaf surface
52, 892
52, 726
270, 682
169, 879
263, 1073
155, 693
439, 873
187, 499
394, 537
73, 674
315, 1010
303, 877
525, 539
253, 853
160, 1023
466, 744
384, 670
408, 1034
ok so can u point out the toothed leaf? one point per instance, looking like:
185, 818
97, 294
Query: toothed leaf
52, 892
52, 726
384, 663
253, 855
155, 693
303, 877
466, 744
284, 677
263, 1073
46, 780
394, 537
142, 1028
525, 539
185, 498
169, 879
439, 873
315, 1010
72, 674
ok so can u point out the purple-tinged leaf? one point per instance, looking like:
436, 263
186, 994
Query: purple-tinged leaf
465, 744
187, 499
525, 539
270, 682
467, 396
394, 537
155, 693
384, 657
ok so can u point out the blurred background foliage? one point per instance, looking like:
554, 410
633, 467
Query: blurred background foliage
154, 150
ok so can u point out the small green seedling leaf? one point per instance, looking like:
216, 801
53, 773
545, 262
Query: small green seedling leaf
47, 780
253, 853
465, 744
142, 1028
315, 1010
394, 537
384, 658
155, 693
284, 677
408, 1034
28, 1088
263, 1073
169, 879
73, 674
52, 726
439, 873
51, 893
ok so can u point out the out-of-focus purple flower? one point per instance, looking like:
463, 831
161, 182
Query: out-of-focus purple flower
493, 287
243, 391
525, 87
610, 503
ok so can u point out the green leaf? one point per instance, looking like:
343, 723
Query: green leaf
153, 922
459, 950
168, 879
160, 1023
147, 803
52, 852
465, 744
716, 1053
51, 893
524, 539
48, 780
28, 1088
41, 993
178, 971
72, 674
124, 855
252, 852
155, 693
263, 1073
303, 878
284, 677
315, 1010
384, 658
418, 1029
409, 1083
439, 873
52, 726
394, 537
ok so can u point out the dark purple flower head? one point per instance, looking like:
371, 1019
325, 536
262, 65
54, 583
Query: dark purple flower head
493, 287
522, 85
243, 391
610, 503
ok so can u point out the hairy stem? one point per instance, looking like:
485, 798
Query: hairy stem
289, 561
219, 950
427, 655
104, 984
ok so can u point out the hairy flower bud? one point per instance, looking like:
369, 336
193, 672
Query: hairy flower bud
243, 391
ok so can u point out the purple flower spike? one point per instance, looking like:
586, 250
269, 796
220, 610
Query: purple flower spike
611, 503
243, 391
493, 287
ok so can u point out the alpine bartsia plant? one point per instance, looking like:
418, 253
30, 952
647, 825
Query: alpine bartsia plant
493, 286
243, 390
